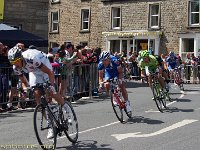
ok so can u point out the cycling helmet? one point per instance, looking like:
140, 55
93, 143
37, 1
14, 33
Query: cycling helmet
171, 54
14, 53
104, 55
144, 53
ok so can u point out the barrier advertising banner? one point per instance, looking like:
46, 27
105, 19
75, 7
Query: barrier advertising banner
1, 9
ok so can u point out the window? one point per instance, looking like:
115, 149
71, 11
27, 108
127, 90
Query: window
54, 21
193, 12
154, 16
115, 46
85, 19
55, 1
187, 47
116, 18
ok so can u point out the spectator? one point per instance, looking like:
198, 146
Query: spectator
4, 73
55, 49
188, 67
194, 63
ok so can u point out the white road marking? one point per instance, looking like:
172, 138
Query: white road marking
167, 129
171, 103
88, 130
151, 110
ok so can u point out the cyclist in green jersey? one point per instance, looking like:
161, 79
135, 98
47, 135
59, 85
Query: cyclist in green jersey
149, 63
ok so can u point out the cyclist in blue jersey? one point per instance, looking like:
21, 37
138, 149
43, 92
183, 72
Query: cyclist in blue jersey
109, 67
172, 64
171, 61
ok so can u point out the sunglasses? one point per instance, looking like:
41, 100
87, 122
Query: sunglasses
14, 61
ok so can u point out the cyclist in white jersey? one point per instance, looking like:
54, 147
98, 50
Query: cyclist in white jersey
40, 70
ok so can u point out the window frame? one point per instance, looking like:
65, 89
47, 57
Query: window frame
150, 16
82, 19
190, 14
55, 1
55, 21
120, 17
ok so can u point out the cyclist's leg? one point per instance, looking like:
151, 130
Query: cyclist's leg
125, 96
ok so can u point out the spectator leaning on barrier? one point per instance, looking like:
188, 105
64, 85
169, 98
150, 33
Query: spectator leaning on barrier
4, 73
194, 63
188, 67
67, 60
198, 60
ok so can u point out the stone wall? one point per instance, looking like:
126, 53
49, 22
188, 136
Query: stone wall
70, 22
32, 15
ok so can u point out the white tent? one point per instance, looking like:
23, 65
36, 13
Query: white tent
6, 27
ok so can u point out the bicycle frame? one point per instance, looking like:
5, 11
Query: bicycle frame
50, 113
114, 90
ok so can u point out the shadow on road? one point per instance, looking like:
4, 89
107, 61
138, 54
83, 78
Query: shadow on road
7, 115
140, 119
191, 90
183, 100
175, 109
87, 145
135, 84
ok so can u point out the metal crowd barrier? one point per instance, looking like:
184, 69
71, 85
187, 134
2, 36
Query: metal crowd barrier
190, 73
82, 80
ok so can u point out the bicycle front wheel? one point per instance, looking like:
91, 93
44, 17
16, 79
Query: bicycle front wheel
42, 126
156, 95
117, 108
70, 123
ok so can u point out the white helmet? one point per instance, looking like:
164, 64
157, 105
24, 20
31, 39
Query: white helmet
14, 53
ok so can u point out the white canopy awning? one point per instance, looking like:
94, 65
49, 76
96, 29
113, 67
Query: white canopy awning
6, 27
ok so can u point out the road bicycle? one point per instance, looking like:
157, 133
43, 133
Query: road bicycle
177, 78
53, 116
117, 101
159, 95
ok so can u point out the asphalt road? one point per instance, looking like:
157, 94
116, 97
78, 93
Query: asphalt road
178, 128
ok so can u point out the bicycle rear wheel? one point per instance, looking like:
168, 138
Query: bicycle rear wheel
41, 127
70, 123
117, 108
156, 95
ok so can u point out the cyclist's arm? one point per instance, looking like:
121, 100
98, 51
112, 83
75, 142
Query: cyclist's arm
50, 73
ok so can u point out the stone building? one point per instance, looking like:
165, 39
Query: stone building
28, 15
117, 25
75, 21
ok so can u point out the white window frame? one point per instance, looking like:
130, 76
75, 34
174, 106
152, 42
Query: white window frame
154, 15
190, 13
83, 10
55, 1
115, 17
54, 21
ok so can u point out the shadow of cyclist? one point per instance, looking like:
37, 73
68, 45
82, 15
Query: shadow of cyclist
141, 119
86, 145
